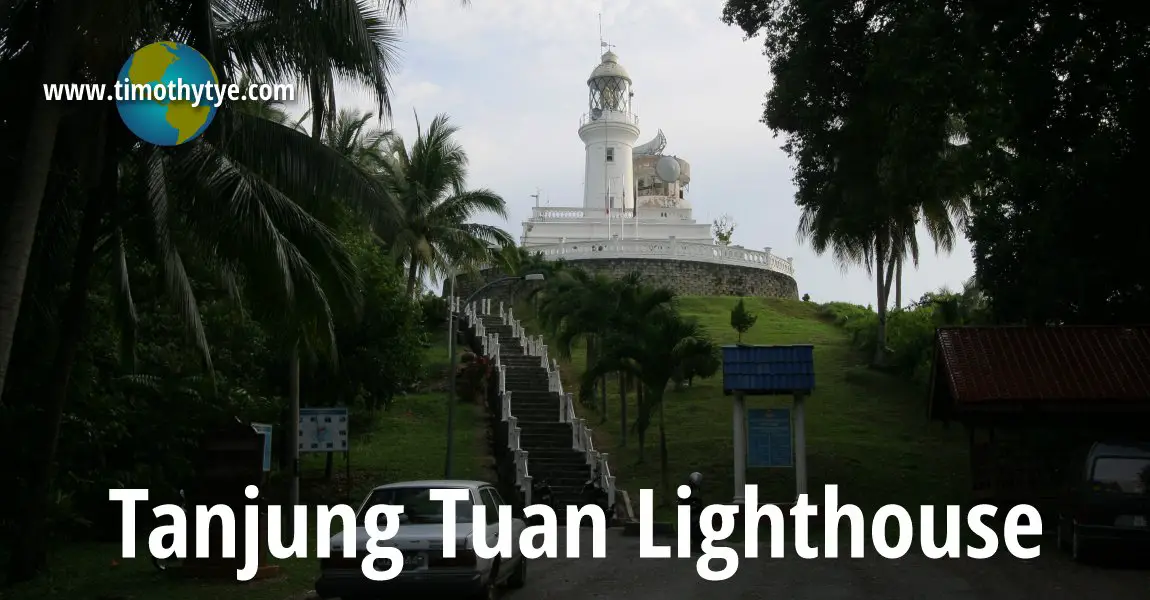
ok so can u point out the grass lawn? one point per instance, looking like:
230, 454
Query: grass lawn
406, 442
867, 431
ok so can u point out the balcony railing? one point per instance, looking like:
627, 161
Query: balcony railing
613, 116
579, 213
668, 250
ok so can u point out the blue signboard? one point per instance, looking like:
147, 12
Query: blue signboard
769, 437
265, 430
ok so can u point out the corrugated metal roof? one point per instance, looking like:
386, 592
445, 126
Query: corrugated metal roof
988, 364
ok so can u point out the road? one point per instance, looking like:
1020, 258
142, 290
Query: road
623, 575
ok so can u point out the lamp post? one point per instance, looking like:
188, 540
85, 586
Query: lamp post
451, 333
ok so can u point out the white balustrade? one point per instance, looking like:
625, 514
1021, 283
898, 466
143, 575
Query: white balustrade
607, 480
566, 411
667, 250
490, 346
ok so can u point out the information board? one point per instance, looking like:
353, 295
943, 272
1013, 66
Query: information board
323, 430
265, 430
769, 438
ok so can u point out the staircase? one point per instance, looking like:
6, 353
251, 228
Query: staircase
549, 443
546, 439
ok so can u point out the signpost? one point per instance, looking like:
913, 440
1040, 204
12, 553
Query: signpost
769, 438
265, 430
766, 438
323, 429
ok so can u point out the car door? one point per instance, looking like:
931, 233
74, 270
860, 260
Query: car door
517, 525
492, 533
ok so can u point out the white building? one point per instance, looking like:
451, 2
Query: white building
635, 201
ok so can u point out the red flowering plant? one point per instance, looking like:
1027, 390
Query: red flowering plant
473, 377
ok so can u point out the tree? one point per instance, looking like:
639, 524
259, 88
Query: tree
722, 229
1055, 119
654, 350
875, 147
435, 235
268, 178
281, 41
741, 319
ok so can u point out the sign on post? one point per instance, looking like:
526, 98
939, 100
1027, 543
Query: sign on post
323, 429
265, 430
769, 438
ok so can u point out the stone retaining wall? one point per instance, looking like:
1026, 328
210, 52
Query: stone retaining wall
685, 278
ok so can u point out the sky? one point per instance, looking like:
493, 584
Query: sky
512, 75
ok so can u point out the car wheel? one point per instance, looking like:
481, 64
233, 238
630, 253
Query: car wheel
518, 579
489, 591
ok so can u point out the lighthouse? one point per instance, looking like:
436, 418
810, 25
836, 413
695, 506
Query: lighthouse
609, 130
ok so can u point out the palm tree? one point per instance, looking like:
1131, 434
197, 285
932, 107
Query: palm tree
284, 41
353, 138
653, 350
577, 305
255, 182
434, 235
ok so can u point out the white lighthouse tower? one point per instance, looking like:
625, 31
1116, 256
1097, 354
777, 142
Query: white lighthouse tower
609, 131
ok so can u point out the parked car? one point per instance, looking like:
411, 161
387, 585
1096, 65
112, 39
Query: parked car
420, 537
1105, 498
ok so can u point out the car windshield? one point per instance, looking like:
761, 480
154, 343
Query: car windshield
418, 507
1122, 474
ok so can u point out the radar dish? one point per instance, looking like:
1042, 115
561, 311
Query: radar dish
667, 169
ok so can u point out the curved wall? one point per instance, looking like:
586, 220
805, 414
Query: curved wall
686, 278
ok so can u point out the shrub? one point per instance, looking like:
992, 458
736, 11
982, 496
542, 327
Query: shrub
434, 311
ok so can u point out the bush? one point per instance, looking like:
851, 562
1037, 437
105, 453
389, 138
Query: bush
910, 332
434, 311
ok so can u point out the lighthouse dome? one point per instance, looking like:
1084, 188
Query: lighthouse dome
609, 67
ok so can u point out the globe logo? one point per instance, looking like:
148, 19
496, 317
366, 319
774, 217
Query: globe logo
167, 117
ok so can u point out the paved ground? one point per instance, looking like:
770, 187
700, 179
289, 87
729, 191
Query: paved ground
623, 575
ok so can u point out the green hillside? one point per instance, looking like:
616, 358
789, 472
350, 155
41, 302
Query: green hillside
866, 430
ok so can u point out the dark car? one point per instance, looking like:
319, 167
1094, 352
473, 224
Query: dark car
1105, 499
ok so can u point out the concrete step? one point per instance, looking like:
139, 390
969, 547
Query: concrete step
522, 387
543, 437
520, 361
533, 371
529, 417
539, 403
544, 441
558, 459
545, 427
559, 455
534, 395
563, 479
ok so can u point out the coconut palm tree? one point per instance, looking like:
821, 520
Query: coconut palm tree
434, 234
242, 199
653, 350
283, 41
352, 136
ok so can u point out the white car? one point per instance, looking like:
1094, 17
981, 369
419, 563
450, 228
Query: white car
420, 537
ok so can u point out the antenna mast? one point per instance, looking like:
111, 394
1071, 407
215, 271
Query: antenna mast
536, 196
